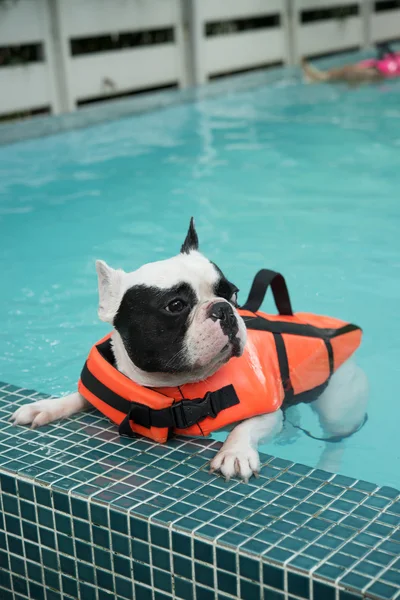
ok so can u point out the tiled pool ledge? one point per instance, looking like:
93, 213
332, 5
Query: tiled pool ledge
88, 515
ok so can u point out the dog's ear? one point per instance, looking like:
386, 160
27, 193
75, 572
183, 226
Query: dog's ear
191, 241
110, 291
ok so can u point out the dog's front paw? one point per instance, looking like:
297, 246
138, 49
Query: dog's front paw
231, 461
37, 414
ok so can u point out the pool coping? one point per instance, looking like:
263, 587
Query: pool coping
296, 532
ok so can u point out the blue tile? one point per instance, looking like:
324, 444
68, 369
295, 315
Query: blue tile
142, 592
226, 560
226, 582
36, 592
102, 559
322, 591
203, 551
249, 568
354, 549
120, 543
298, 585
17, 565
8, 484
159, 536
365, 512
140, 551
391, 547
329, 571
67, 565
162, 580
34, 572
273, 576
377, 502
86, 573
378, 529
343, 595
388, 492
203, 574
160, 558
20, 586
52, 579
83, 551
355, 581
203, 593
61, 502
183, 588
69, 586
182, 566
123, 588
249, 590
391, 576
101, 536
99, 515
139, 528
49, 558
10, 505
181, 544
367, 568
366, 539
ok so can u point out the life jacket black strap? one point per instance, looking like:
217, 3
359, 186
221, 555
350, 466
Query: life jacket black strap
259, 288
333, 439
259, 323
284, 368
182, 414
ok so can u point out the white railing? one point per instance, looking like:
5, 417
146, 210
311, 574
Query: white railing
327, 35
87, 50
31, 85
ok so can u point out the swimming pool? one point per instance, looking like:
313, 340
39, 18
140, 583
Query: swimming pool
302, 179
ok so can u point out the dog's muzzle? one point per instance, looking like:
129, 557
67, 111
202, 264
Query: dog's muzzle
223, 312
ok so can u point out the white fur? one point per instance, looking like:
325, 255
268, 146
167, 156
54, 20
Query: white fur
46, 411
340, 408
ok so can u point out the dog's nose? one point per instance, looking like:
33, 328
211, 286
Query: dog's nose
223, 312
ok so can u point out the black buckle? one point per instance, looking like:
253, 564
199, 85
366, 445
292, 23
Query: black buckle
186, 413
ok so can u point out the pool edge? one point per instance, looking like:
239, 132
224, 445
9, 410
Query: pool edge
169, 518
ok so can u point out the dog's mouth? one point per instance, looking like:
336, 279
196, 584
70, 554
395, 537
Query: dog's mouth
232, 347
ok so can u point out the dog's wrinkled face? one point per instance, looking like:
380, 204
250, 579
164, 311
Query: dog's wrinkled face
175, 317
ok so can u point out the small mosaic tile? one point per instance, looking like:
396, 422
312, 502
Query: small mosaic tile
86, 514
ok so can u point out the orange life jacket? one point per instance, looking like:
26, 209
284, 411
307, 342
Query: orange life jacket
288, 358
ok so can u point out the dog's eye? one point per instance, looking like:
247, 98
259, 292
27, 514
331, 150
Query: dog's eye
175, 306
234, 298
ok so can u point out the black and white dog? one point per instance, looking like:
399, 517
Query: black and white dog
165, 335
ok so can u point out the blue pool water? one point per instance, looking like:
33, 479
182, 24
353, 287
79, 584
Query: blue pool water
302, 179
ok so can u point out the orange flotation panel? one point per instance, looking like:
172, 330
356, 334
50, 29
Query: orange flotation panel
288, 358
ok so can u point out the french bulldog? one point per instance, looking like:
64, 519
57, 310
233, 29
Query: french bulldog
175, 322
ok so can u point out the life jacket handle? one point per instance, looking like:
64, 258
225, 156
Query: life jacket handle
262, 281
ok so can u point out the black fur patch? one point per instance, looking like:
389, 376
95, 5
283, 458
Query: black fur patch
224, 288
152, 336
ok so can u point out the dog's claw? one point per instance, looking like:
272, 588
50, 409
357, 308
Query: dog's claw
233, 461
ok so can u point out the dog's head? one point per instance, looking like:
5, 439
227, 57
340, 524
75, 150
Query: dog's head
175, 320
